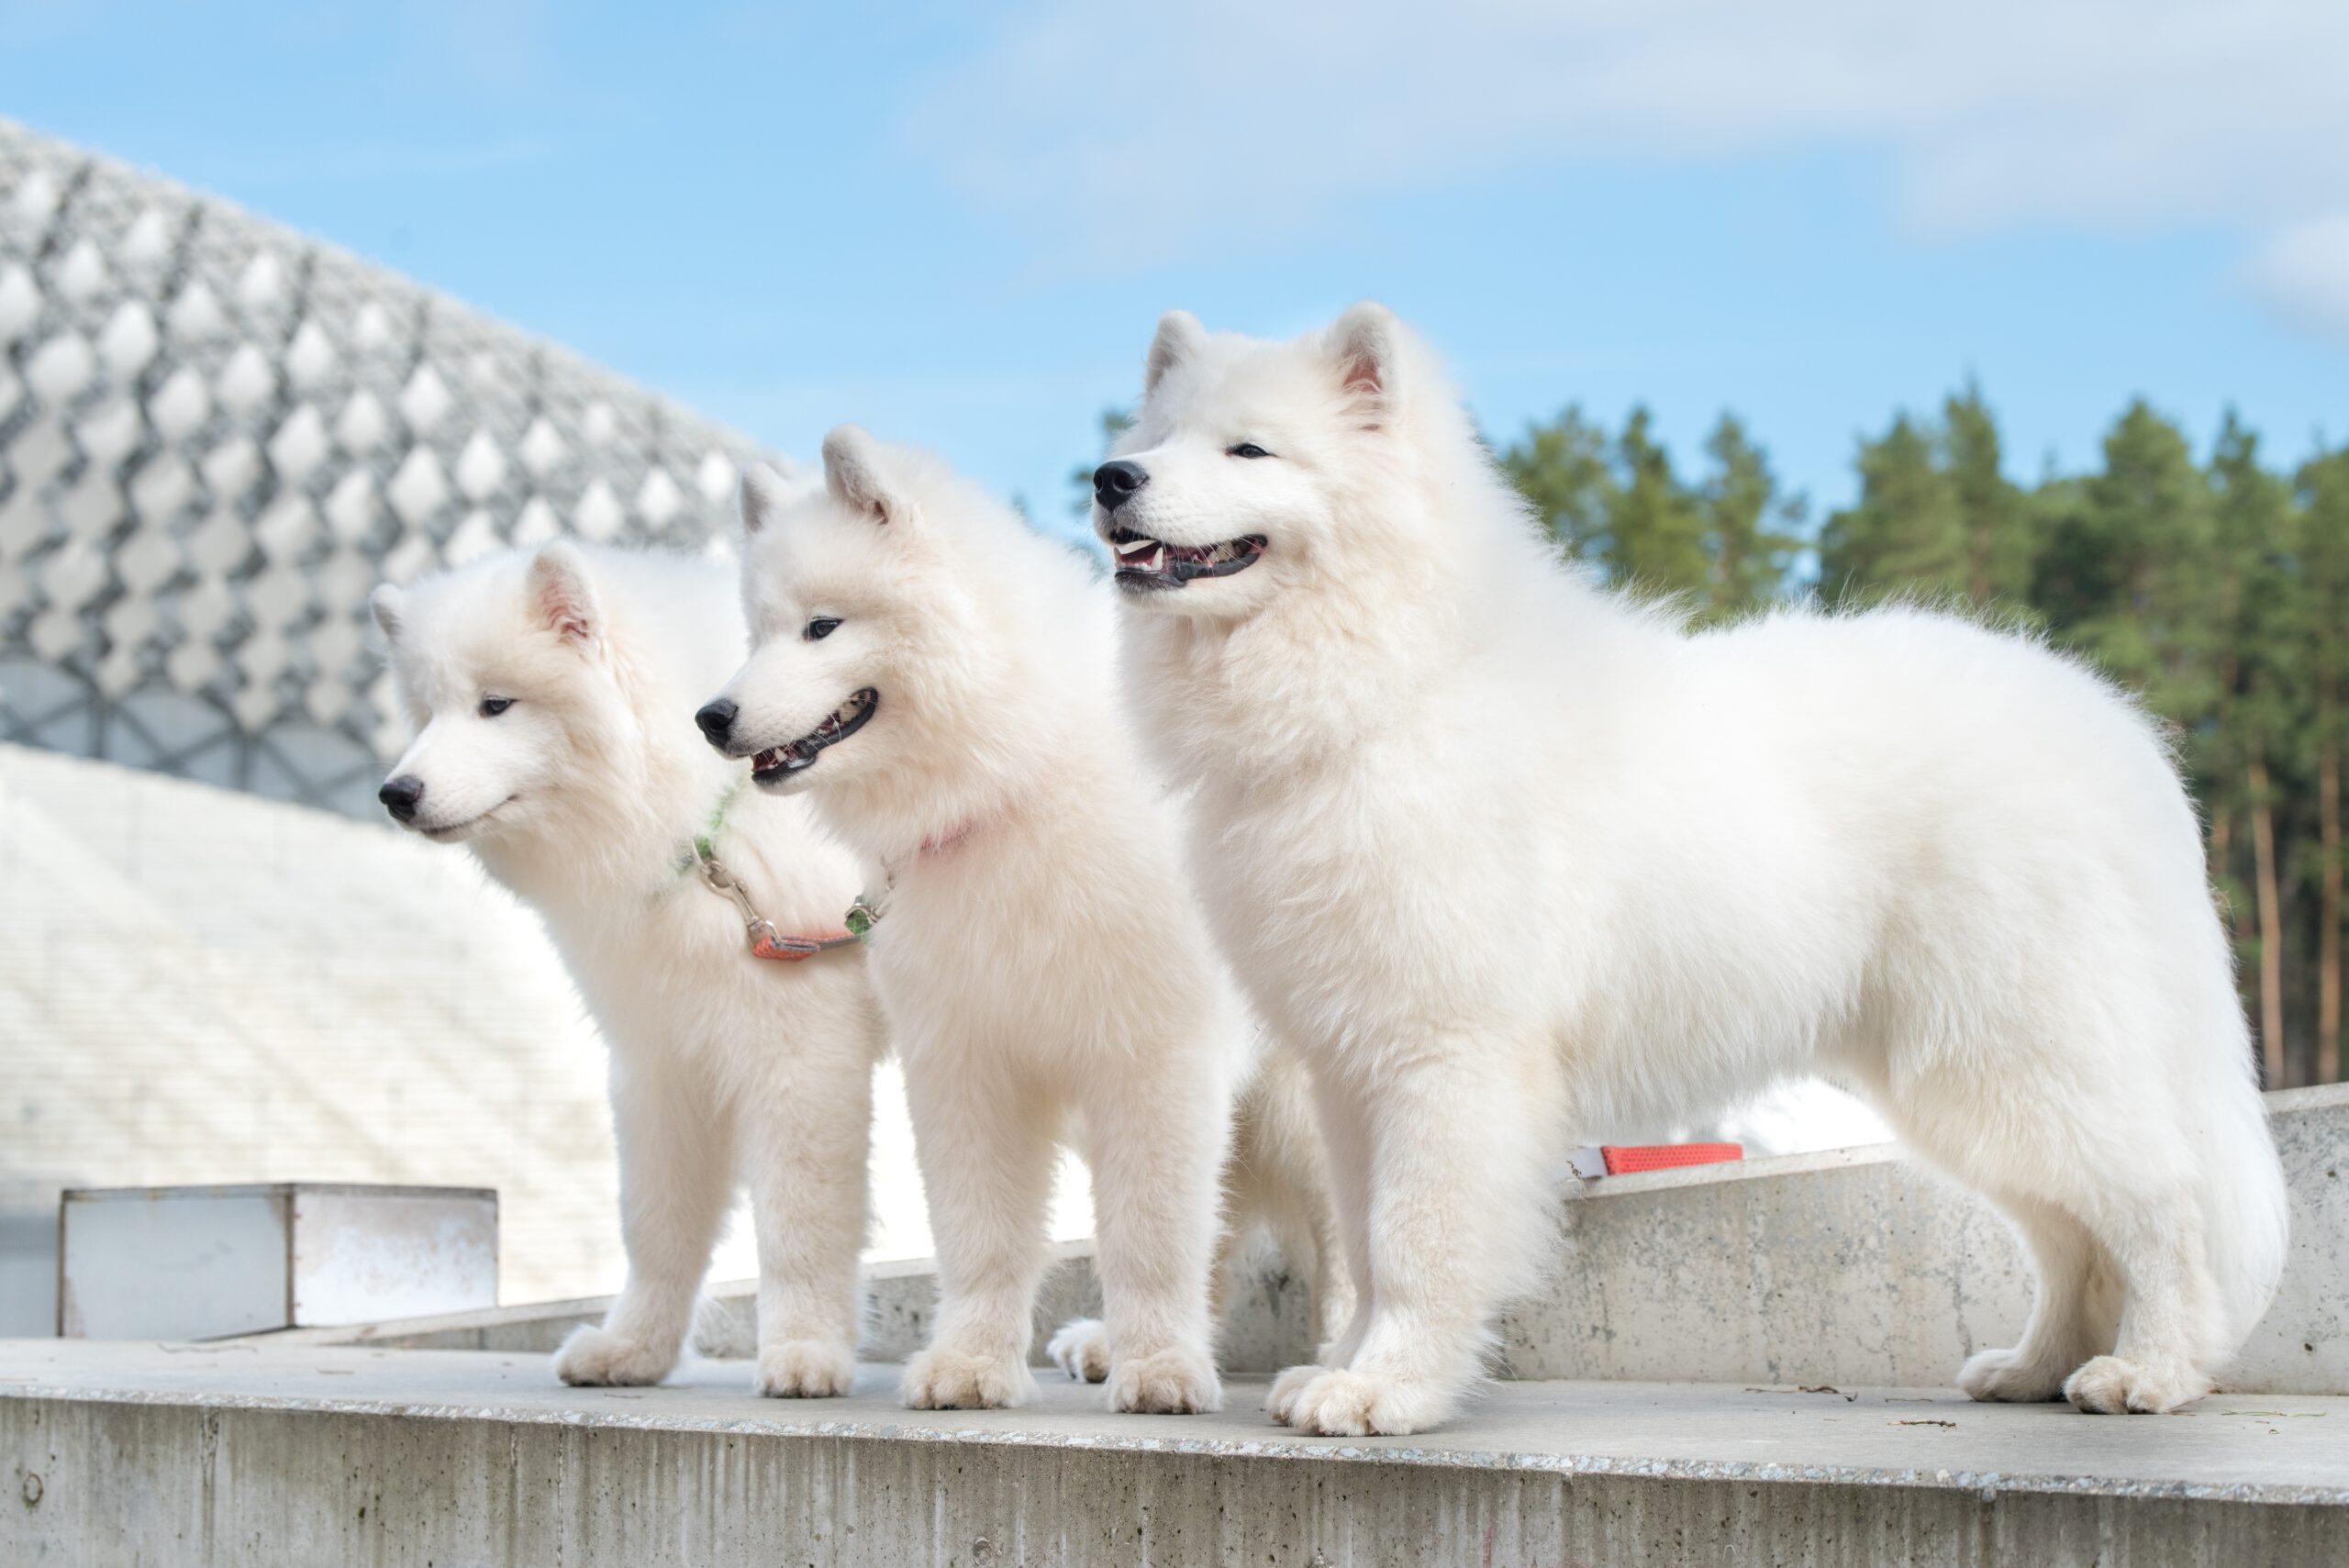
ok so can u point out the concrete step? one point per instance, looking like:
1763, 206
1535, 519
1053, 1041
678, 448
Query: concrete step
1849, 1266
228, 1454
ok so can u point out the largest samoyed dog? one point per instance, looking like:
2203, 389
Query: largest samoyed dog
939, 678
1506, 855
553, 691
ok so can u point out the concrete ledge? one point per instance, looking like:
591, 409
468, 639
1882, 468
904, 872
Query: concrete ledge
1270, 1328
237, 1454
1859, 1266
1849, 1266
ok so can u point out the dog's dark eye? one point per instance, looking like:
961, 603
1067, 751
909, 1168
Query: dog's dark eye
821, 627
492, 707
1246, 449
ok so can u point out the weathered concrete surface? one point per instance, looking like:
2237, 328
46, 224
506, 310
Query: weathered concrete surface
1269, 1327
1853, 1265
1858, 1265
139, 1454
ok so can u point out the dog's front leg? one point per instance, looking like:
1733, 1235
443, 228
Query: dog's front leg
1157, 1131
676, 1180
983, 1141
1448, 1137
807, 1144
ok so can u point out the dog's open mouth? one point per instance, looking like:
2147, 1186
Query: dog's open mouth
1146, 564
777, 764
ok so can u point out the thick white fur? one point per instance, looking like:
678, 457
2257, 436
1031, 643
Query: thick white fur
723, 1066
1506, 854
1275, 1195
1043, 955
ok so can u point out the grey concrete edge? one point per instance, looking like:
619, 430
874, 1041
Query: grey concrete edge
1276, 1448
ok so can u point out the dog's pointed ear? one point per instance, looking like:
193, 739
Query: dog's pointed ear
763, 490
1179, 340
388, 606
853, 473
561, 595
1365, 343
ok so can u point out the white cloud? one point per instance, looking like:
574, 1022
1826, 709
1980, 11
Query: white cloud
1230, 116
2304, 272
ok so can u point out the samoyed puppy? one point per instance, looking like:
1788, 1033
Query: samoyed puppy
552, 692
1507, 855
938, 678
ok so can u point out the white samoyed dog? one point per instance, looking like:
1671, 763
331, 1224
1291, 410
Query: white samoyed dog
555, 692
939, 678
1505, 855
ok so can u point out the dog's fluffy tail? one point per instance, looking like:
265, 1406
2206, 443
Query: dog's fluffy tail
2245, 1210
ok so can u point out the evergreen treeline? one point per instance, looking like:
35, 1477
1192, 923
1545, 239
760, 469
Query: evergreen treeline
2217, 587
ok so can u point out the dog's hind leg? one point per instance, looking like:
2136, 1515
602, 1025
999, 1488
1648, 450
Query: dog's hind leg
2111, 1211
985, 1141
676, 1178
2069, 1321
2156, 1239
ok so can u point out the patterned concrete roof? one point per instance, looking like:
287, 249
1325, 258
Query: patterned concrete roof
216, 435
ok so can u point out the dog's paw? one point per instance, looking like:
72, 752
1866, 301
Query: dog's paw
1082, 1349
1175, 1381
805, 1369
2111, 1386
939, 1379
1361, 1404
592, 1357
1281, 1400
2005, 1376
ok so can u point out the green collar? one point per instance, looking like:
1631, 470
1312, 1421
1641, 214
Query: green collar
698, 849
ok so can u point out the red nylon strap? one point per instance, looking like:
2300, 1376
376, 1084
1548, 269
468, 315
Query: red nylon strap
770, 943
1625, 1158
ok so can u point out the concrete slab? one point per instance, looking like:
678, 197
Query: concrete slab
1848, 1265
249, 1453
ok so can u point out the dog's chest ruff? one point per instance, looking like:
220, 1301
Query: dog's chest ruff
698, 855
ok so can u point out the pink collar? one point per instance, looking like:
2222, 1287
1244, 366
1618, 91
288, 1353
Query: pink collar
939, 843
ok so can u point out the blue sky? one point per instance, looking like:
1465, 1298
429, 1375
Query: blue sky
957, 224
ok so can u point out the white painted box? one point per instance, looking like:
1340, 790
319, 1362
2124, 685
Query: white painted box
203, 1263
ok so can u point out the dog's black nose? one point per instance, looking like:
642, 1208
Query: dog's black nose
399, 795
1114, 483
717, 720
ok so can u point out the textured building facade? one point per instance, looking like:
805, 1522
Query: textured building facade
216, 436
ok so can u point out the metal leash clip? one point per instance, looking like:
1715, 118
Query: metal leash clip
764, 940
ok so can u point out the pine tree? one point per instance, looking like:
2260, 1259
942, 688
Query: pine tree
1748, 526
2255, 633
1655, 535
2148, 515
1562, 469
1905, 534
2325, 563
2000, 546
